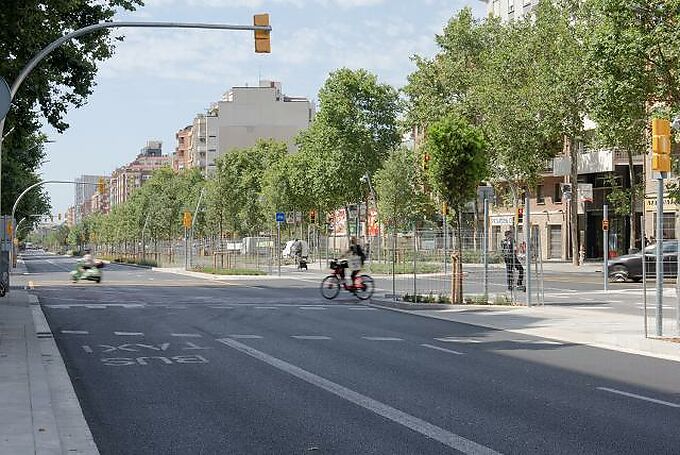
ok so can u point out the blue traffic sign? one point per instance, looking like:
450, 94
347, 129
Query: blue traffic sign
280, 217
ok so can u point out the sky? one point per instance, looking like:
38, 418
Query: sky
159, 79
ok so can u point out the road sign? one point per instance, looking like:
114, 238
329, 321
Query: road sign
280, 217
5, 98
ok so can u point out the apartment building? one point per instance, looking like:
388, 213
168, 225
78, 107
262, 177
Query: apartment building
244, 115
126, 179
84, 189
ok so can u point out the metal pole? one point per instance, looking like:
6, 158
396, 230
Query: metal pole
394, 259
277, 248
193, 222
485, 249
659, 257
643, 244
415, 265
102, 25
605, 243
677, 289
186, 248
527, 236
446, 238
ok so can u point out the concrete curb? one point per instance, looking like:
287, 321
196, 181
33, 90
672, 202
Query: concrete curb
137, 266
434, 306
72, 429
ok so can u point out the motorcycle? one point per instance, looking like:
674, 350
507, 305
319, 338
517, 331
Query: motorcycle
87, 273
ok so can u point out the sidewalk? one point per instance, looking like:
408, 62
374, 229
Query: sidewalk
620, 332
40, 412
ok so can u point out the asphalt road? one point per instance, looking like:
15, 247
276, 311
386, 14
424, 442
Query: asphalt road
176, 365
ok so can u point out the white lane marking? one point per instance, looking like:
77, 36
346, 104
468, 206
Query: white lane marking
600, 307
188, 335
96, 307
129, 334
221, 307
639, 397
427, 429
556, 343
382, 339
458, 340
363, 309
246, 337
87, 349
450, 351
75, 332
312, 308
310, 337
266, 308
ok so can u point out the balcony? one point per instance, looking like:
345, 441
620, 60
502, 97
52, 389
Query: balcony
593, 162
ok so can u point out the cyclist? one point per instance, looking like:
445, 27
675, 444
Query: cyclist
356, 259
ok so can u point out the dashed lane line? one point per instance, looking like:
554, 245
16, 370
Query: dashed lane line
75, 332
129, 334
310, 337
382, 339
186, 335
245, 337
450, 351
639, 397
458, 340
423, 427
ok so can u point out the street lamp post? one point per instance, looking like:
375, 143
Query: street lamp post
367, 178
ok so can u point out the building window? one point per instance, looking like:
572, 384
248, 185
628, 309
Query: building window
668, 226
558, 194
540, 197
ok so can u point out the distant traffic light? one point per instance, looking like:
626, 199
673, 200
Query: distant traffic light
445, 208
312, 217
59, 216
101, 185
519, 216
186, 219
262, 37
426, 161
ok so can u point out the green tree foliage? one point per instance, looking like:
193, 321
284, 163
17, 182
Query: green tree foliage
458, 163
355, 129
63, 80
401, 200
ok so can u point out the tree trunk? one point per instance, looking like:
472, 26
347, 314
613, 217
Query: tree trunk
573, 215
633, 202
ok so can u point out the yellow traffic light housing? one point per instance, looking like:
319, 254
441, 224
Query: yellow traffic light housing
101, 186
186, 219
262, 37
661, 145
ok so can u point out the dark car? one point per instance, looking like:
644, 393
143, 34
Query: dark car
629, 267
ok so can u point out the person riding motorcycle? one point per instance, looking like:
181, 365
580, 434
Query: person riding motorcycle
88, 260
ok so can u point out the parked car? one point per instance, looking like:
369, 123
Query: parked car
629, 266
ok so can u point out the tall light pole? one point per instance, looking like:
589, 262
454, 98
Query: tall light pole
367, 179
30, 66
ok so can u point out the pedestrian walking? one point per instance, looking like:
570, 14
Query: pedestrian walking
512, 262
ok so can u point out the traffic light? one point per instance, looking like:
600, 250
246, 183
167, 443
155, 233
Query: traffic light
186, 219
445, 208
519, 215
661, 145
426, 161
312, 217
101, 185
262, 37
59, 216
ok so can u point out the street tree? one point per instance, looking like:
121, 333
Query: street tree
458, 164
60, 82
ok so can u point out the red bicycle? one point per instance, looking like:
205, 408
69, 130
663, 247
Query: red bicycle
362, 287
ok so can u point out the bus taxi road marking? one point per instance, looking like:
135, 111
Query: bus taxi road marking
423, 427
154, 360
450, 351
639, 397
137, 347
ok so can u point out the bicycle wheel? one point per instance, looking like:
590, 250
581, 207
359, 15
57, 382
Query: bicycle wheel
365, 289
330, 287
